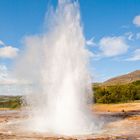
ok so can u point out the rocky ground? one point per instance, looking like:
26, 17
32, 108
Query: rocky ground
122, 123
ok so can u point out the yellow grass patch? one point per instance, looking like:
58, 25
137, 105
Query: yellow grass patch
116, 107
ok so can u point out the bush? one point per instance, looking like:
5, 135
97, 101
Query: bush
10, 101
117, 93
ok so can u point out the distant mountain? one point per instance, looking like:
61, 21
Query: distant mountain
124, 79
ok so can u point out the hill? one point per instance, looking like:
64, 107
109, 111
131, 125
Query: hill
124, 88
124, 79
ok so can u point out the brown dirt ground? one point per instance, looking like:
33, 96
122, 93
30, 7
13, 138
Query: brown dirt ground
125, 124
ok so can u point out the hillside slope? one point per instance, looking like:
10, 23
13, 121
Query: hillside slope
124, 79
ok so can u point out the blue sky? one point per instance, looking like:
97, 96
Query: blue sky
111, 28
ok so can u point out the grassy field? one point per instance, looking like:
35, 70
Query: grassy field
10, 102
120, 107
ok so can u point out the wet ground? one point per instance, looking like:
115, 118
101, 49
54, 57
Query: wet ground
123, 125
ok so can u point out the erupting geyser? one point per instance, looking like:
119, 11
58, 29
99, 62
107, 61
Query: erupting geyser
56, 63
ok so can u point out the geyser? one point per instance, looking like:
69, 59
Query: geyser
56, 64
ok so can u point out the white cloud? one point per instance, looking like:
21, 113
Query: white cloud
135, 56
90, 42
136, 20
8, 52
130, 36
6, 77
113, 46
1, 43
3, 72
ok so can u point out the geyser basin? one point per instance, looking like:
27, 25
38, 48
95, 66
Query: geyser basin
57, 66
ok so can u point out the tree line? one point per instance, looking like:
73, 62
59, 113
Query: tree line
101, 94
116, 93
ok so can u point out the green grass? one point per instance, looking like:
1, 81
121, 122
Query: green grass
11, 102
